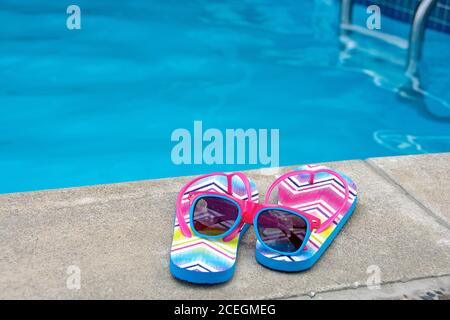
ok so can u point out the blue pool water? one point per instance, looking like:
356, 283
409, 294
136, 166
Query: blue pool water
99, 105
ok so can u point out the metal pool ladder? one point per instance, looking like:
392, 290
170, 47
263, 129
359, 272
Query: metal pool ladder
417, 32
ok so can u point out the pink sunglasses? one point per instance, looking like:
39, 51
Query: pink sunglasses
281, 229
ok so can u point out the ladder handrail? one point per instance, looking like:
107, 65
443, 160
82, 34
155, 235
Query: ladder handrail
417, 34
346, 11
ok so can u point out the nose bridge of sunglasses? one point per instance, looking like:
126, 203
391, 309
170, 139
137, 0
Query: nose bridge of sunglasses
250, 212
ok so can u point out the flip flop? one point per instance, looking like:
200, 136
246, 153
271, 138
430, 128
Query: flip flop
322, 197
200, 260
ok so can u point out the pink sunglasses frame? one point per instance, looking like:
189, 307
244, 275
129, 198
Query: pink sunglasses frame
250, 209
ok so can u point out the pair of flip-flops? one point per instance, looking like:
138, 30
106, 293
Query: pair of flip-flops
214, 211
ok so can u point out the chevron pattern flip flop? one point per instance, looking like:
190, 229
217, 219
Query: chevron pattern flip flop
321, 199
200, 260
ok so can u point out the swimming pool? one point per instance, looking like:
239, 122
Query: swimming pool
99, 105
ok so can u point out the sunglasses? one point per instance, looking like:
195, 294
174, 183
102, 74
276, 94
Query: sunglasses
282, 229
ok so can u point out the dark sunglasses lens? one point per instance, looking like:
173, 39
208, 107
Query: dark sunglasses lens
282, 230
214, 216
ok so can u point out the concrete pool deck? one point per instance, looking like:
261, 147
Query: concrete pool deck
119, 236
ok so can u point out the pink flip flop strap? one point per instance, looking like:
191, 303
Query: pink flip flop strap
312, 173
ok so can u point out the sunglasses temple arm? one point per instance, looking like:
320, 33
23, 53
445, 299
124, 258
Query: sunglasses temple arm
287, 175
312, 174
